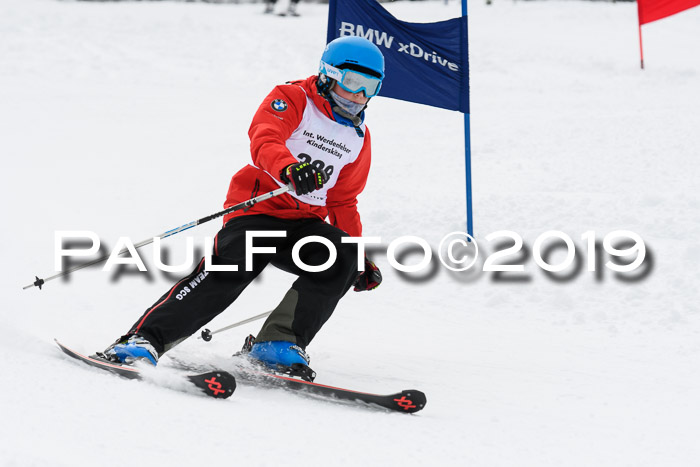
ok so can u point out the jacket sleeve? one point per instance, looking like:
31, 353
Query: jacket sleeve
272, 126
342, 198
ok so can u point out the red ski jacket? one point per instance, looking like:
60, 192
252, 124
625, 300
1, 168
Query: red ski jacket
286, 123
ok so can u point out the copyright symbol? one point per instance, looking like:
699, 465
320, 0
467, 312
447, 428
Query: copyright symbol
460, 248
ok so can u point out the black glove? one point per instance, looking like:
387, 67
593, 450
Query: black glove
303, 177
369, 279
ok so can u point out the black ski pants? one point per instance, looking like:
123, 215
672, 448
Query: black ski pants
198, 298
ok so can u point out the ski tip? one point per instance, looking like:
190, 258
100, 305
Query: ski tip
217, 384
410, 401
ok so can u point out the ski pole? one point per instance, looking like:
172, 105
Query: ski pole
207, 334
245, 204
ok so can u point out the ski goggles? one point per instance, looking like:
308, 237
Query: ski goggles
353, 81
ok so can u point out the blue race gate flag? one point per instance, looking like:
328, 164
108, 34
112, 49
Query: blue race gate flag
426, 63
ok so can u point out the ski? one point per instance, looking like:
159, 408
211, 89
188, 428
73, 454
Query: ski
215, 383
247, 373
406, 401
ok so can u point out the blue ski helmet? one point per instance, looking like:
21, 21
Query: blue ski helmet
353, 53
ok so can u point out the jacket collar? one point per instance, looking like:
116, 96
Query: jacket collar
309, 85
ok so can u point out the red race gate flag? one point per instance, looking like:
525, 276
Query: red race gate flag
652, 10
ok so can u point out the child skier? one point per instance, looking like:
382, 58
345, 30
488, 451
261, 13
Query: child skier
310, 135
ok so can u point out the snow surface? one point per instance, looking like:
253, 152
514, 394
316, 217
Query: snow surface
128, 119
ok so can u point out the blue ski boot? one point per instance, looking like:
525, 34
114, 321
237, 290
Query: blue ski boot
131, 350
281, 356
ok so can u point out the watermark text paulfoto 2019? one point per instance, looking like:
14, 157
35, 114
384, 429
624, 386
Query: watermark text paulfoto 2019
504, 251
